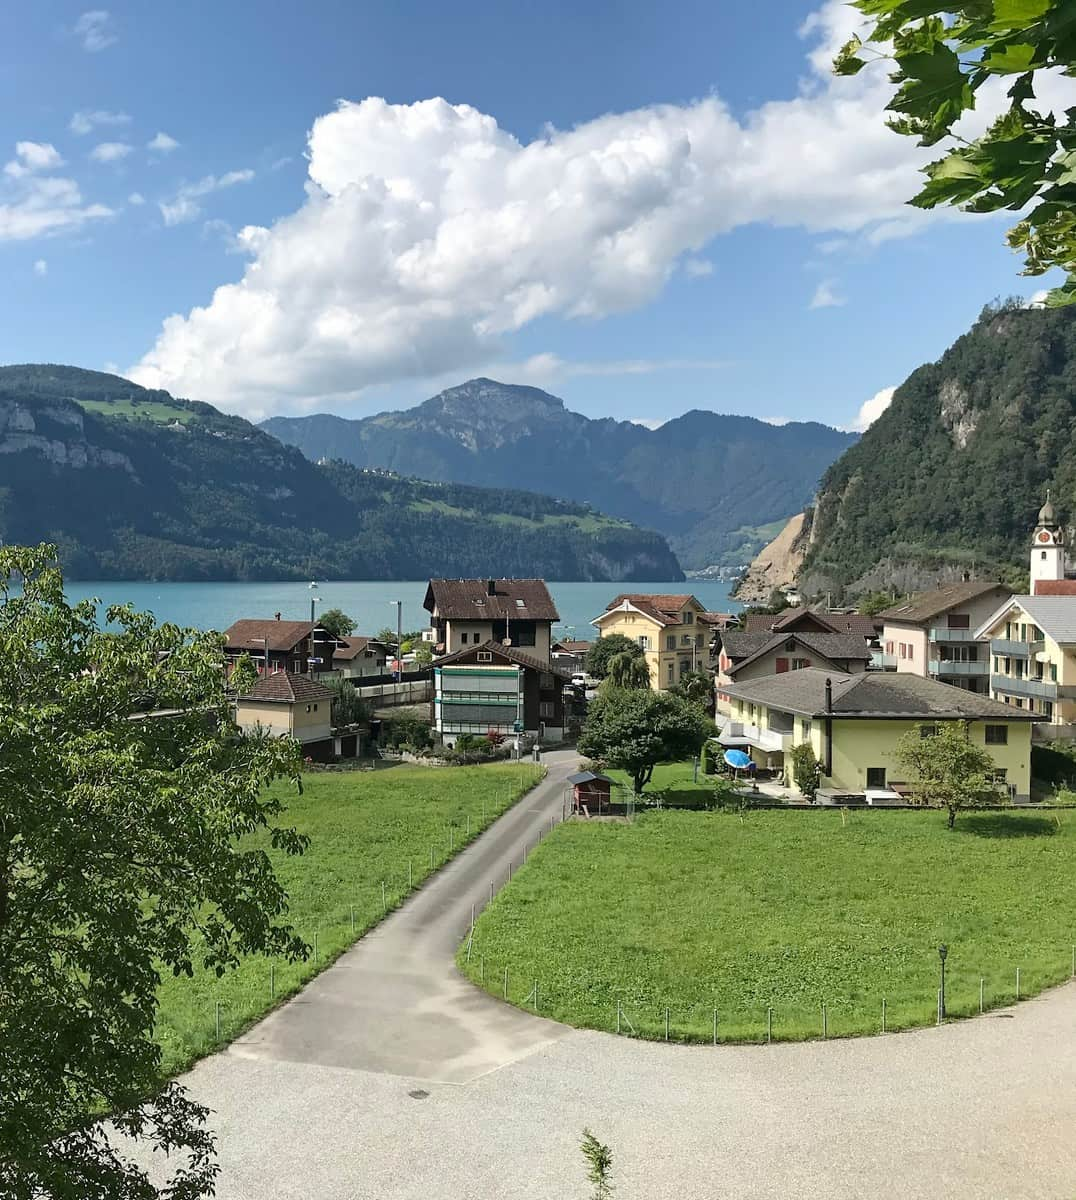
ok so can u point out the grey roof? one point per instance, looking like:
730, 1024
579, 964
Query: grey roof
872, 694
832, 646
927, 605
1055, 615
587, 777
468, 656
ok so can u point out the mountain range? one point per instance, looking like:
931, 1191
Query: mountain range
717, 487
136, 484
949, 479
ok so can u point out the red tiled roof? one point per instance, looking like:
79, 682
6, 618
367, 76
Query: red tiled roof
284, 687
490, 599
349, 647
1054, 587
281, 635
663, 609
721, 620
788, 620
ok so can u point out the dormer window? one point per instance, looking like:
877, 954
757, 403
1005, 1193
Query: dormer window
480, 602
688, 618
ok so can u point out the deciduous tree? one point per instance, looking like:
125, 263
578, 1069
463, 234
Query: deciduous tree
627, 671
607, 648
946, 768
944, 54
338, 623
635, 730
119, 858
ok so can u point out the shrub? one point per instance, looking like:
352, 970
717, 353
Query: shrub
805, 769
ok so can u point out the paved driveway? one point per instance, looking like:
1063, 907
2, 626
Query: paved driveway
390, 1077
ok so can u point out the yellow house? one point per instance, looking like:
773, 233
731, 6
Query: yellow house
673, 639
855, 722
1033, 659
284, 703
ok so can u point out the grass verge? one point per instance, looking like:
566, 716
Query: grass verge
765, 919
391, 828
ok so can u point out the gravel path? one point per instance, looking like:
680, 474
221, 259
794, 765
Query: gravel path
391, 1077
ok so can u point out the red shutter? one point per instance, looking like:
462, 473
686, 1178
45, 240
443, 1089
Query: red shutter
782, 665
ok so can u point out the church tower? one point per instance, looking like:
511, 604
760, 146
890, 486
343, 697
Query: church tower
1047, 547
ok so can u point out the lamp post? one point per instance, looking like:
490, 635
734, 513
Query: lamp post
399, 638
310, 655
943, 953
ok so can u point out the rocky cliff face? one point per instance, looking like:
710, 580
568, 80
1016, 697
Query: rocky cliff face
56, 432
777, 563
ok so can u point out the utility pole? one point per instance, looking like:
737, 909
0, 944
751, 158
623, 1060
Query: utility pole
399, 638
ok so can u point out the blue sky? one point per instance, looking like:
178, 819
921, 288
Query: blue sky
643, 208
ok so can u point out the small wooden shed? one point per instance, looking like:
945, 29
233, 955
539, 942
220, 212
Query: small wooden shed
590, 793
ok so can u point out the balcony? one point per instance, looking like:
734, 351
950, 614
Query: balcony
942, 634
1010, 648
1042, 689
944, 666
740, 733
883, 662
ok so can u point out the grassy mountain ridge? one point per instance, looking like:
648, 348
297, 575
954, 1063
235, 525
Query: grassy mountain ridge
137, 484
701, 479
953, 473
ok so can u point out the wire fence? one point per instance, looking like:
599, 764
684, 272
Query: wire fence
595, 1004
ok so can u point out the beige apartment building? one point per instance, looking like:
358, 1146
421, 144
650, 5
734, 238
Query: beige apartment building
471, 612
934, 634
674, 641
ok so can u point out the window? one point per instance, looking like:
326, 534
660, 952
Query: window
889, 647
545, 709
686, 640
521, 604
308, 708
315, 708
1048, 709
798, 664
1019, 702
805, 729
485, 656
1053, 672
876, 777
959, 621
689, 618
997, 735
670, 641
672, 673
644, 641
928, 731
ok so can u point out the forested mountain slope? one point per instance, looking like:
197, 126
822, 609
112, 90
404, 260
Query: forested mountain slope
139, 485
708, 482
953, 473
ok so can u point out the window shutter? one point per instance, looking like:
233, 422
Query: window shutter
782, 665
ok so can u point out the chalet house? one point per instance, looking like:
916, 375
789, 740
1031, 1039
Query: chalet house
813, 620
355, 657
499, 688
855, 722
745, 655
934, 634
667, 628
276, 645
569, 654
471, 612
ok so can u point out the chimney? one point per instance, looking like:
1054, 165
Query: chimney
491, 587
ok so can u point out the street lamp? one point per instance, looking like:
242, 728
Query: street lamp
399, 638
943, 954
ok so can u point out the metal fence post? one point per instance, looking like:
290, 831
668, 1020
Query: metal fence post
384, 902
618, 1016
981, 981
410, 876
506, 983
1018, 983
272, 981
825, 1022
217, 1013
715, 1026
769, 1025
536, 995
315, 945
666, 1024
883, 1014
352, 907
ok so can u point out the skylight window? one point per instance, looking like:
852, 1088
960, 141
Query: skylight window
521, 604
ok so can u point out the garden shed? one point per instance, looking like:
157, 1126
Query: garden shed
590, 792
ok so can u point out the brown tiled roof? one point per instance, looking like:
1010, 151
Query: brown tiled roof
663, 609
573, 647
490, 599
789, 619
932, 604
347, 648
282, 635
284, 687
721, 620
518, 658
1055, 587
742, 648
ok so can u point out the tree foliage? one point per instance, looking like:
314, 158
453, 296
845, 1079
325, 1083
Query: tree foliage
348, 707
605, 649
944, 54
627, 670
697, 687
599, 1165
947, 769
244, 675
805, 769
635, 730
118, 859
338, 623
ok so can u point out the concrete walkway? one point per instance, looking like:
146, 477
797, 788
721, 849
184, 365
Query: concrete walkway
395, 1001
390, 1078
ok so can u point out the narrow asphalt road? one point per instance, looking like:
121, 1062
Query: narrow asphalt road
395, 1002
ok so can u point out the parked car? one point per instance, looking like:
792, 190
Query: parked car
582, 680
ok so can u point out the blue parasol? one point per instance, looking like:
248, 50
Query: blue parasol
737, 759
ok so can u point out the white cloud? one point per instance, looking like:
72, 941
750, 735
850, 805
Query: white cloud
184, 206
107, 152
41, 267
95, 29
136, 198
39, 205
776, 420
549, 368
826, 296
281, 162
1038, 299
84, 121
429, 234
870, 410
698, 268
648, 422
162, 143
31, 157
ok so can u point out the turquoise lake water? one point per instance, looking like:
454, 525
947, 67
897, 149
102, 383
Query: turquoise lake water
217, 605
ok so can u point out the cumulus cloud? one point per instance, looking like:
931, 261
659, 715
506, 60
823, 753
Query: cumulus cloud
31, 157
136, 198
162, 143
826, 296
776, 420
698, 268
107, 152
648, 422
870, 410
185, 205
41, 267
95, 30
429, 235
41, 205
85, 121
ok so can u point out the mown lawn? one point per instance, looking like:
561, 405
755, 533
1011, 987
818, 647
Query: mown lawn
782, 911
364, 828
